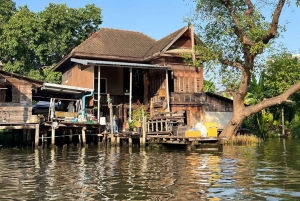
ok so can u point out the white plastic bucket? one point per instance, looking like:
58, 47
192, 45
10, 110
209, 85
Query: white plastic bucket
102, 121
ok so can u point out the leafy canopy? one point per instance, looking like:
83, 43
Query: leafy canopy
31, 40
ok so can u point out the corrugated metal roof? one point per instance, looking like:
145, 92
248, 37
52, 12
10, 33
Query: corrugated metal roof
64, 88
118, 64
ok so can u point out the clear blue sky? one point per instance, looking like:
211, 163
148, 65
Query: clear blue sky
158, 18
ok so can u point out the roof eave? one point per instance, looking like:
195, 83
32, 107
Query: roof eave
38, 82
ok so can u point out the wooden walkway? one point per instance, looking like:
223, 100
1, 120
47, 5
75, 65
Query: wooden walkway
68, 130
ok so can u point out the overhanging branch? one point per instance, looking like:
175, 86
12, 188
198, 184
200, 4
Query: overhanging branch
248, 13
238, 29
274, 101
274, 24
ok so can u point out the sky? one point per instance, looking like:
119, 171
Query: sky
159, 18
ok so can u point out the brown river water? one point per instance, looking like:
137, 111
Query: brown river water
270, 171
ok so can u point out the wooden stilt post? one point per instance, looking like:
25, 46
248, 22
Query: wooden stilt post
118, 141
130, 141
42, 145
79, 140
64, 136
71, 136
144, 130
112, 138
52, 136
37, 135
83, 136
24, 138
28, 131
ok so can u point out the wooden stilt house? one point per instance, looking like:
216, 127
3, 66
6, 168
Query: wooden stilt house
136, 69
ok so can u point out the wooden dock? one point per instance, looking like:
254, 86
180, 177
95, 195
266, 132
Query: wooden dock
82, 133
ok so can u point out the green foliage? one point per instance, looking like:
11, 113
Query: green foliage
256, 91
209, 86
31, 40
138, 114
281, 73
295, 126
7, 9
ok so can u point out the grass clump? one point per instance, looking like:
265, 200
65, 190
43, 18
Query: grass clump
242, 140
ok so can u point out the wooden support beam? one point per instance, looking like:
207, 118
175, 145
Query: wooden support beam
52, 136
24, 137
112, 138
118, 141
83, 136
28, 137
71, 136
144, 136
37, 135
130, 141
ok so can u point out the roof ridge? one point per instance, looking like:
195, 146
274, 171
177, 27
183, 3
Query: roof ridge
126, 31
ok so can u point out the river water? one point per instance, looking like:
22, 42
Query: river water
270, 171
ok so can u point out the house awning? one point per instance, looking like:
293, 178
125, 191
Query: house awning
64, 88
49, 90
118, 64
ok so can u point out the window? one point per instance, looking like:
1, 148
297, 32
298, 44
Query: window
103, 85
8, 95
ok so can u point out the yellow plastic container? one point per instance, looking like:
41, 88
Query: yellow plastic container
192, 134
212, 129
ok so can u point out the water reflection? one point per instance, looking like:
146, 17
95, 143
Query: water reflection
267, 172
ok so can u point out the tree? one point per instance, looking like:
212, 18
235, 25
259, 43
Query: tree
30, 41
235, 33
7, 9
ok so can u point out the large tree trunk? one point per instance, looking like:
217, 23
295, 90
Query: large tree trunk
236, 120
232, 127
240, 112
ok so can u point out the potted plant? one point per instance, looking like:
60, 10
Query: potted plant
137, 117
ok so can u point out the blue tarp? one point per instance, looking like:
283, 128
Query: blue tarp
43, 104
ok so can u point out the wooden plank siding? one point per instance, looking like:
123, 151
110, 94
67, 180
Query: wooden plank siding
80, 76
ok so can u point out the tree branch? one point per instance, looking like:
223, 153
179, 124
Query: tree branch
231, 63
274, 24
273, 101
248, 12
238, 29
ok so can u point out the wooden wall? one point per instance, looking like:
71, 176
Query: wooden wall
187, 79
193, 113
215, 104
114, 78
79, 76
19, 108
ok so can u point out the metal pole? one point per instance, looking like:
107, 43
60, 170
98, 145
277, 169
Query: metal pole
130, 95
99, 96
